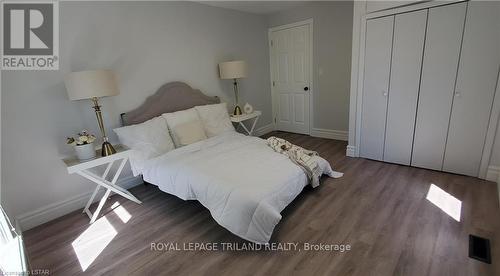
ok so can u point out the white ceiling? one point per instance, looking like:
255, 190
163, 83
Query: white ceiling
256, 7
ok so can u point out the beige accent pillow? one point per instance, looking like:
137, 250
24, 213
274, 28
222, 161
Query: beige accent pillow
178, 118
190, 132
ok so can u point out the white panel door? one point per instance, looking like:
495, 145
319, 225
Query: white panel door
407, 51
376, 86
291, 65
441, 55
476, 81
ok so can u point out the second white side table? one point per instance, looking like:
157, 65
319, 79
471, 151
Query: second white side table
240, 119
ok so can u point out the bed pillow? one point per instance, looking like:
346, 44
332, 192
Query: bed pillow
185, 127
189, 133
147, 140
215, 119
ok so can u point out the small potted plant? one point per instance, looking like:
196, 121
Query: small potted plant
83, 144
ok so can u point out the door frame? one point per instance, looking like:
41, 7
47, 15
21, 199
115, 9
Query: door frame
310, 23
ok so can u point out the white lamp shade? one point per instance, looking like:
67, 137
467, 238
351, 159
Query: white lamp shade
233, 69
90, 84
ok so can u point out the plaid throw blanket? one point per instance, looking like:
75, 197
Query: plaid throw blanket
300, 156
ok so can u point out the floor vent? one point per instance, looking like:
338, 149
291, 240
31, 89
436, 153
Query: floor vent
479, 249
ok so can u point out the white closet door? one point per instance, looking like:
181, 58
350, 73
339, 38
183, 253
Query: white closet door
476, 81
376, 86
407, 50
442, 49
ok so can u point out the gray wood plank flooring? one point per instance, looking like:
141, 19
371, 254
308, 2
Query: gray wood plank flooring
379, 209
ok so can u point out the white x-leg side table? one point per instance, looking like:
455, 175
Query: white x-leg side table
83, 168
240, 119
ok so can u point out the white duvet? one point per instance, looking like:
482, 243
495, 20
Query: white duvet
242, 181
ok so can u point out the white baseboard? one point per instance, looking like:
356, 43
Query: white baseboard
350, 151
52, 211
330, 134
492, 173
264, 130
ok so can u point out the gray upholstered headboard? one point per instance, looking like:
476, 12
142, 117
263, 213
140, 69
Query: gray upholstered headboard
170, 97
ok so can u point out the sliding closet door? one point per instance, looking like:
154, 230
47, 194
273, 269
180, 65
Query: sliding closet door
441, 54
376, 86
408, 44
477, 77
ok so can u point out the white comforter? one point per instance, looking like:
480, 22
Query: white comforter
243, 182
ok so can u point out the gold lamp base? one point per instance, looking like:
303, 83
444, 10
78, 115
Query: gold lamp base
237, 110
107, 149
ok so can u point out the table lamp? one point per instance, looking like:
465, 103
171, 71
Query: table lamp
93, 85
234, 70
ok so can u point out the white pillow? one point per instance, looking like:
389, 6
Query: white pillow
215, 119
147, 140
179, 118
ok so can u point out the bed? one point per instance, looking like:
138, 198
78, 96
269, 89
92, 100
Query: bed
239, 179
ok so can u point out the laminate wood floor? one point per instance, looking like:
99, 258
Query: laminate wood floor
379, 209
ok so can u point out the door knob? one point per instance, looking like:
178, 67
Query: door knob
384, 93
306, 88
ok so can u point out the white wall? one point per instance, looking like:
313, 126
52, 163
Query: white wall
357, 26
331, 53
147, 44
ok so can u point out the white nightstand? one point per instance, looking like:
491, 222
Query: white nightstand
240, 119
83, 168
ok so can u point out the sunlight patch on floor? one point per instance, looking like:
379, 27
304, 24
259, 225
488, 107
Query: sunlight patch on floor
92, 241
444, 201
121, 212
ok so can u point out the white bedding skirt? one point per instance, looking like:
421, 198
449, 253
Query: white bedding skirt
242, 181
